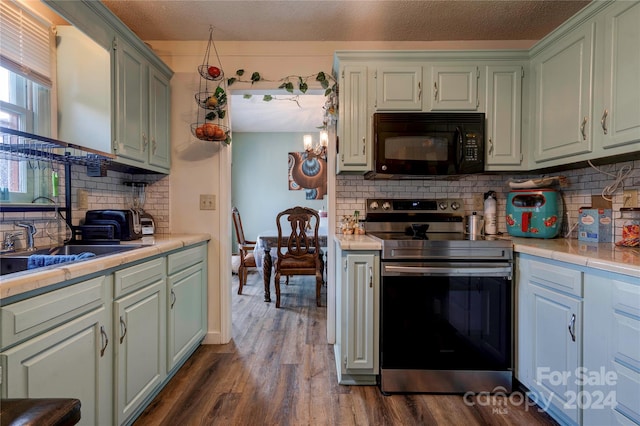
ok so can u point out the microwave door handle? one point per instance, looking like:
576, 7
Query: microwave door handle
459, 143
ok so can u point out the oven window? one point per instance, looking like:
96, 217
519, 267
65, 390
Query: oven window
429, 148
444, 323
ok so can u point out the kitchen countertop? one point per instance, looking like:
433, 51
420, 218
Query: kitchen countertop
27, 281
603, 256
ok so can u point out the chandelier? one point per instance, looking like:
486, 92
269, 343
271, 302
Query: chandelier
320, 148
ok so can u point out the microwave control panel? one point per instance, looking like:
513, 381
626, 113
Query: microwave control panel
470, 147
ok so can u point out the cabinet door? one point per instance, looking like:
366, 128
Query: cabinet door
556, 339
611, 348
140, 358
399, 88
355, 144
563, 96
131, 105
454, 87
187, 317
159, 119
361, 290
504, 115
73, 360
619, 111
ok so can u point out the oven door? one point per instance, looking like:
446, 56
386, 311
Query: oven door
446, 327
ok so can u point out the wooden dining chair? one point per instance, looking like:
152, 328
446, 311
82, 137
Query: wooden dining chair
247, 259
298, 247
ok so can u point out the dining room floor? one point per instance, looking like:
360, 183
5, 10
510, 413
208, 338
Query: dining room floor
279, 369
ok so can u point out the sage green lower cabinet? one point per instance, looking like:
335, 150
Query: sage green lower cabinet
550, 334
357, 316
611, 349
72, 358
187, 304
111, 341
140, 321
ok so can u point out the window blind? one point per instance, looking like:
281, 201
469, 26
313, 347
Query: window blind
25, 42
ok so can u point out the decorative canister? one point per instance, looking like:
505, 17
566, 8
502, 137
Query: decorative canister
630, 217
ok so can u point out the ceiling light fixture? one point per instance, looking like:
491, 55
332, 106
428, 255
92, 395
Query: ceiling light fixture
321, 147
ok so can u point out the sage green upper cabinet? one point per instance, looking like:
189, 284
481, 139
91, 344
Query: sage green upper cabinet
83, 89
355, 142
454, 88
503, 111
563, 96
142, 110
617, 106
399, 88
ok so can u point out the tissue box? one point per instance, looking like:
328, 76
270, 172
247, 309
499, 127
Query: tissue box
595, 225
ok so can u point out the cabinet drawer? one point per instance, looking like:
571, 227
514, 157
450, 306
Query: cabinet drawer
136, 277
556, 277
185, 258
25, 319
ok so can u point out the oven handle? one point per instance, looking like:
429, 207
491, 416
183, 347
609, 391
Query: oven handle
489, 271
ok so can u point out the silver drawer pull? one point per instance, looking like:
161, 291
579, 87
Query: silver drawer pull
123, 329
572, 327
105, 340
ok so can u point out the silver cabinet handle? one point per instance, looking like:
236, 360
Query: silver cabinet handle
144, 142
435, 90
490, 146
583, 129
123, 329
603, 121
173, 298
419, 90
572, 327
364, 145
153, 145
370, 277
105, 340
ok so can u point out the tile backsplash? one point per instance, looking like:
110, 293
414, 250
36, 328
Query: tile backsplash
107, 192
581, 184
351, 193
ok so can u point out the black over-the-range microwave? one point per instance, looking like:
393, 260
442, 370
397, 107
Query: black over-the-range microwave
408, 145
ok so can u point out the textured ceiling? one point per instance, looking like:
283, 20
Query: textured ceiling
348, 20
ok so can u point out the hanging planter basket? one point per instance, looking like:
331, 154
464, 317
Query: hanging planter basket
211, 99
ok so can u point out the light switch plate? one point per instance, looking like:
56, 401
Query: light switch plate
83, 199
630, 198
207, 202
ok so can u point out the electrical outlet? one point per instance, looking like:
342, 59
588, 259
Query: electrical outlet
478, 202
83, 199
207, 202
630, 198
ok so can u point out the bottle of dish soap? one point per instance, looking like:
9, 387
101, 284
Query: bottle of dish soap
490, 215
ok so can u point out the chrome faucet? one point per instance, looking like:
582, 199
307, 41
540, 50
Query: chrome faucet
31, 231
9, 241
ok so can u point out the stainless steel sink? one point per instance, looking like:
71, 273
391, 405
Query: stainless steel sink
18, 261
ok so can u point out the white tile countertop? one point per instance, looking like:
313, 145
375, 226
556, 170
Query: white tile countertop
27, 281
603, 256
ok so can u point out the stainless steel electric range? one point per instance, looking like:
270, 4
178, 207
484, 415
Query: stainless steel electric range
446, 300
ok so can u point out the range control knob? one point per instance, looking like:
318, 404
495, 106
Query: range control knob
455, 205
442, 205
386, 205
374, 205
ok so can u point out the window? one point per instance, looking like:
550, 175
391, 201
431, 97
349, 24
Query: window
25, 95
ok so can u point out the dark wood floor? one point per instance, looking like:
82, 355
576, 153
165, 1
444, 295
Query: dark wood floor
279, 370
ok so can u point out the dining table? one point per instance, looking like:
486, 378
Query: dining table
266, 250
